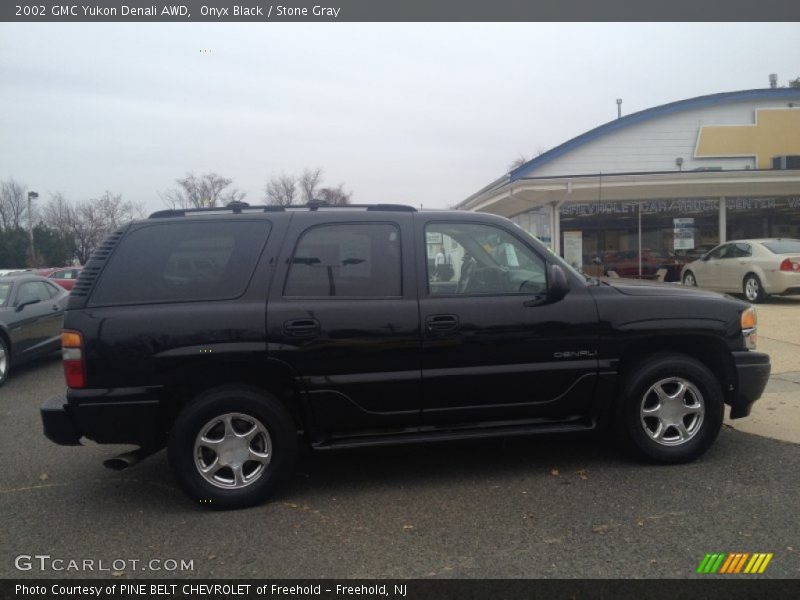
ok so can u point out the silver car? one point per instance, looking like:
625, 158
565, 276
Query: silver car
755, 268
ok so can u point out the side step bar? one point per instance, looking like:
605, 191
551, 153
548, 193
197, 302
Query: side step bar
425, 435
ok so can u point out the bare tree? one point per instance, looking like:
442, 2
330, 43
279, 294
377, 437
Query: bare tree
334, 196
58, 213
281, 190
309, 180
13, 204
88, 222
207, 191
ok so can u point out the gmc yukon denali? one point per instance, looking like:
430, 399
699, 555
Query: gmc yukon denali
233, 335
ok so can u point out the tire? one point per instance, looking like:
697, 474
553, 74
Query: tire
641, 411
5, 360
689, 279
226, 427
753, 290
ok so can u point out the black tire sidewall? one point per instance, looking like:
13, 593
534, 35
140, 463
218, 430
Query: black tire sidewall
267, 409
692, 275
639, 379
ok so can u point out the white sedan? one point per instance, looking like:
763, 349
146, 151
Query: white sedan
755, 268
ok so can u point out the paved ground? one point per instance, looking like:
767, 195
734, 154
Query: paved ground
544, 507
777, 413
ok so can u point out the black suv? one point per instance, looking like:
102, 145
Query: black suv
231, 335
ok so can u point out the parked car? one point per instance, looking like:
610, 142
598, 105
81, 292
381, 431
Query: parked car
328, 328
31, 314
63, 276
754, 268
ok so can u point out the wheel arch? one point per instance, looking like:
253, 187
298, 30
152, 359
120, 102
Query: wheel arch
709, 350
273, 377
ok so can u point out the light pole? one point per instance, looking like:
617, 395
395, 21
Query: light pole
31, 196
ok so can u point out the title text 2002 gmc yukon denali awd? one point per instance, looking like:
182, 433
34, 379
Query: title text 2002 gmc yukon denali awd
231, 336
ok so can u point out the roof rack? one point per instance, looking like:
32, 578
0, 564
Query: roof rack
238, 208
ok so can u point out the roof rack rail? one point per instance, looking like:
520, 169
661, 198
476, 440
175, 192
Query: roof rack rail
240, 207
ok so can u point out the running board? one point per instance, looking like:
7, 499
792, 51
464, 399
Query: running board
429, 435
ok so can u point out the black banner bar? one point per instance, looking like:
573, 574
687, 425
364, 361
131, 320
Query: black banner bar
712, 588
398, 10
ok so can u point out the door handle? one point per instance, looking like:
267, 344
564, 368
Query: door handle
301, 327
441, 323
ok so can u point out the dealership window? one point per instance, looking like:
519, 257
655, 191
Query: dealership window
749, 218
604, 238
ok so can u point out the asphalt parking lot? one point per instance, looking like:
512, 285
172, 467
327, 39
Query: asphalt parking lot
545, 507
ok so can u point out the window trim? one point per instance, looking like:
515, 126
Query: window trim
481, 224
303, 233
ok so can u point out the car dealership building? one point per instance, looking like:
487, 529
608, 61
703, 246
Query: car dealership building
661, 186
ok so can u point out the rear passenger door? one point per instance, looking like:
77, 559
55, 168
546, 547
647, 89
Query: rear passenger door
343, 314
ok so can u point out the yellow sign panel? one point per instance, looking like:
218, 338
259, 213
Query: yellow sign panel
776, 132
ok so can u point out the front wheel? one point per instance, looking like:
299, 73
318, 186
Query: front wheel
671, 409
232, 447
689, 279
753, 290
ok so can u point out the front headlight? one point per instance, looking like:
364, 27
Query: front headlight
750, 328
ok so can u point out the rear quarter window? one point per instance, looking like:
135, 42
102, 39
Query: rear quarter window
182, 261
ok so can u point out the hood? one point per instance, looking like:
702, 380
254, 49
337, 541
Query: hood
638, 287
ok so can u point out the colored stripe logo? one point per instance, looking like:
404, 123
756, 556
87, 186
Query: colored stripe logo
734, 563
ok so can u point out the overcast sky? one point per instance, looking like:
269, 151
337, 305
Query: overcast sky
421, 114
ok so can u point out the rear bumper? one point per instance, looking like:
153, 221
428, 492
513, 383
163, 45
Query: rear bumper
130, 416
752, 374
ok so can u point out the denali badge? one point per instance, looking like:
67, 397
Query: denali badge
576, 354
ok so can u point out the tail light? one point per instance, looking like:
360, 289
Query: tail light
789, 265
72, 355
750, 328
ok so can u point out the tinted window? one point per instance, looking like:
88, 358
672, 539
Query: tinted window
354, 260
783, 246
743, 250
474, 259
182, 261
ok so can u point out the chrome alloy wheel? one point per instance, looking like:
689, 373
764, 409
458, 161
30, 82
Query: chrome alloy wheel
689, 280
672, 411
751, 289
232, 451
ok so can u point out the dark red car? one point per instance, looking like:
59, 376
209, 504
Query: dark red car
63, 276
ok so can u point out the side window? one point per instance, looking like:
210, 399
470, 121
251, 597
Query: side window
354, 260
470, 259
33, 290
59, 275
743, 251
720, 252
182, 261
52, 290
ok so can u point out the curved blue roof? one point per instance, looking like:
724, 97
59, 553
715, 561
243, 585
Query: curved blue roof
653, 113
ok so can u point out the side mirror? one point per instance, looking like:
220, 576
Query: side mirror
26, 302
559, 284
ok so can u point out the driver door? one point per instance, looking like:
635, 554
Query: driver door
492, 349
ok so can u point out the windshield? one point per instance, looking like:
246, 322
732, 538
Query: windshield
783, 246
5, 290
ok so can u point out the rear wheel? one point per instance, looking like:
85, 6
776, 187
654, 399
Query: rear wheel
232, 447
5, 360
753, 290
671, 409
689, 279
